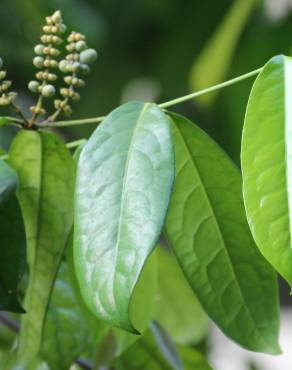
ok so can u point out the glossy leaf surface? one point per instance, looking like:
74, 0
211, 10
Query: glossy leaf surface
267, 163
124, 179
208, 231
46, 188
12, 237
178, 309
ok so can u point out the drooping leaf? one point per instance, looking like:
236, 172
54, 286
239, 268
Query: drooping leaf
124, 179
212, 64
46, 188
66, 334
177, 308
267, 163
12, 240
207, 229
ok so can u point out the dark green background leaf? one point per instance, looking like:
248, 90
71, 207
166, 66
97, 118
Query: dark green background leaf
12, 238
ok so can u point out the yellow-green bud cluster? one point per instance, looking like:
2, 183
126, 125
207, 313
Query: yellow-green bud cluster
6, 97
76, 62
45, 59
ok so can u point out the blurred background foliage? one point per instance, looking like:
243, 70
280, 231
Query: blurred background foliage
155, 50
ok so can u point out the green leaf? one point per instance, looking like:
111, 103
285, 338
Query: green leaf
46, 174
213, 63
66, 334
142, 307
178, 309
207, 229
193, 360
12, 237
267, 164
124, 179
4, 121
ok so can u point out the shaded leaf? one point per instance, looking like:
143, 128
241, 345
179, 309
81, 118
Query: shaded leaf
124, 179
178, 309
12, 238
207, 229
213, 63
46, 173
267, 163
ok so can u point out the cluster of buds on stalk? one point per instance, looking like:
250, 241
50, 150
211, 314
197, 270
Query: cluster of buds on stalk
6, 97
75, 64
46, 60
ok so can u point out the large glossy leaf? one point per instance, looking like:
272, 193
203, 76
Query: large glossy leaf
66, 334
208, 231
12, 240
212, 64
178, 309
267, 163
46, 173
124, 179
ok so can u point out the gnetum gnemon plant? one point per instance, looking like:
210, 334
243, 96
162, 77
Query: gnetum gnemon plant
80, 262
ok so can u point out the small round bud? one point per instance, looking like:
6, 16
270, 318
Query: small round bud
33, 86
84, 69
2, 75
47, 29
52, 77
38, 62
63, 28
57, 17
67, 110
65, 92
48, 91
80, 46
56, 40
39, 49
88, 56
75, 97
63, 66
68, 80
49, 20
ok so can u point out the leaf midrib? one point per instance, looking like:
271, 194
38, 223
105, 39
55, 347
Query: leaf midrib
125, 178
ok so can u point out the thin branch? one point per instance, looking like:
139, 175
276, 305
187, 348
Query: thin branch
210, 89
162, 105
9, 322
